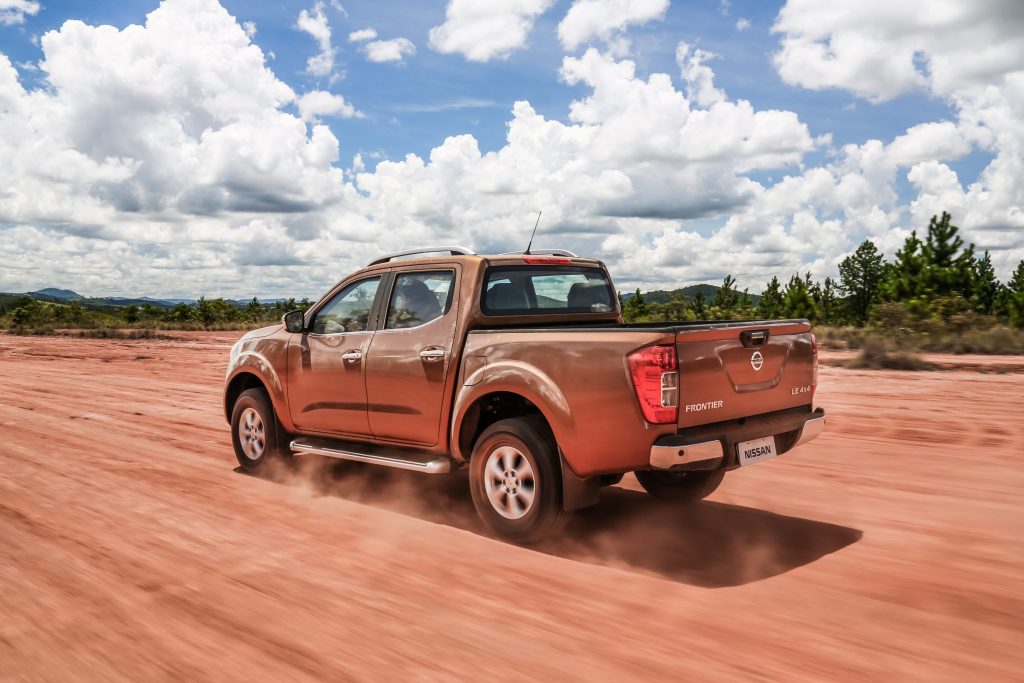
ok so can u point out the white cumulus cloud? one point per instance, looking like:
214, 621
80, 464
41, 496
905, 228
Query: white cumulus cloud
589, 20
13, 12
482, 30
361, 35
394, 50
318, 104
315, 24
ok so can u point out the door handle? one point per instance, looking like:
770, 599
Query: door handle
432, 354
353, 356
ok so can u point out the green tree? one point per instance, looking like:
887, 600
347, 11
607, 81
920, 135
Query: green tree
746, 307
903, 279
861, 276
635, 307
986, 286
131, 314
254, 310
797, 301
1015, 297
700, 306
947, 270
727, 299
828, 302
770, 305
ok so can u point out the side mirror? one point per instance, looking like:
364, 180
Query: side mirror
294, 321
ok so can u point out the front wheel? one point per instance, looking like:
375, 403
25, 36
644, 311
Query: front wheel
254, 430
515, 480
680, 487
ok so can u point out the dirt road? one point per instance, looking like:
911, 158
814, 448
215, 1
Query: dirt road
131, 549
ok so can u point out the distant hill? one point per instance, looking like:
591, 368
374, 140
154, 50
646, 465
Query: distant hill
58, 293
661, 296
66, 296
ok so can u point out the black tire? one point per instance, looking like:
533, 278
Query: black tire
263, 441
525, 448
680, 487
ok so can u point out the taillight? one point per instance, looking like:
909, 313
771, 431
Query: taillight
814, 358
656, 380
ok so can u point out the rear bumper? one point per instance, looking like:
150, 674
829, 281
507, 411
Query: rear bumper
714, 446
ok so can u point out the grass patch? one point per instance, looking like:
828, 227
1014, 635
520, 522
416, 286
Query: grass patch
995, 341
93, 333
877, 355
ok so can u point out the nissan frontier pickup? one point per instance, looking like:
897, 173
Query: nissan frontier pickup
519, 368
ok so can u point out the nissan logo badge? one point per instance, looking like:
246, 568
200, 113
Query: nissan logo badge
757, 360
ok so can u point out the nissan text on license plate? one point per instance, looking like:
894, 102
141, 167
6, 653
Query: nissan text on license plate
756, 450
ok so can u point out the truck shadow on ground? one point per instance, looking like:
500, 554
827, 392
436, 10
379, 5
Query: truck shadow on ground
707, 544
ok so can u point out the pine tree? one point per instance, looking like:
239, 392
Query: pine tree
861, 275
1015, 297
828, 302
770, 305
986, 286
903, 277
727, 298
254, 310
700, 306
797, 301
947, 270
635, 308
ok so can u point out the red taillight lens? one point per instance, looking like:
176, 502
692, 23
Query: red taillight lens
656, 379
547, 260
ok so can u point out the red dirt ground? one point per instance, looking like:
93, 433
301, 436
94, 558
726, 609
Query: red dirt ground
131, 549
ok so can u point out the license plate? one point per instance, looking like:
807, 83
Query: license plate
756, 450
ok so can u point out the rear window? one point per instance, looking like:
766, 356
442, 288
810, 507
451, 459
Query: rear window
538, 290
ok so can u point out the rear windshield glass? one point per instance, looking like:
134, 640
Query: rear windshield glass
536, 290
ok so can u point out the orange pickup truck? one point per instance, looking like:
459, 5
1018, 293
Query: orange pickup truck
519, 367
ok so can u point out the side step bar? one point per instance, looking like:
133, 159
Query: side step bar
403, 460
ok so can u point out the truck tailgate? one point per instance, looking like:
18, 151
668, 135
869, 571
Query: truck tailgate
739, 370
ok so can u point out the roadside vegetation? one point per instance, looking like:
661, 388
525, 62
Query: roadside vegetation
937, 295
28, 316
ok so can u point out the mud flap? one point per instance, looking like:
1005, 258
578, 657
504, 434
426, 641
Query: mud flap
577, 492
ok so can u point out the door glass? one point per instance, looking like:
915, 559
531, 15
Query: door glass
349, 310
418, 298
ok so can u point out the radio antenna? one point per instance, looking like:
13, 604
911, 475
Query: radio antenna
532, 234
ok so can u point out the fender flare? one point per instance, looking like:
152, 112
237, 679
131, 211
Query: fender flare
514, 377
252, 363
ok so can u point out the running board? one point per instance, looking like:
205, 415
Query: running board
403, 460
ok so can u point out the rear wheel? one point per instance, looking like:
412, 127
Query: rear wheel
254, 430
515, 480
680, 487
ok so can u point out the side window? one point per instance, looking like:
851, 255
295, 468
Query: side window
420, 297
349, 310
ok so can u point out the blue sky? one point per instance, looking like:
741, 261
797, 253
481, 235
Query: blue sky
939, 112
476, 98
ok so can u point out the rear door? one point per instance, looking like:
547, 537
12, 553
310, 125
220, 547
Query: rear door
410, 356
739, 370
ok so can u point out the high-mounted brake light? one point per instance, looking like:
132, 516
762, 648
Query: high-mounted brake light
548, 260
656, 379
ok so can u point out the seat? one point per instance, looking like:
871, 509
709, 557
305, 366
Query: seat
505, 296
587, 295
418, 305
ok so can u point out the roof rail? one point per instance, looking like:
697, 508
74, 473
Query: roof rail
454, 251
543, 252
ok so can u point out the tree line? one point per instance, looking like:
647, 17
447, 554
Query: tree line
932, 282
26, 313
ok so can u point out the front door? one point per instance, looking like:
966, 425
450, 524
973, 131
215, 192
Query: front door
327, 364
410, 357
